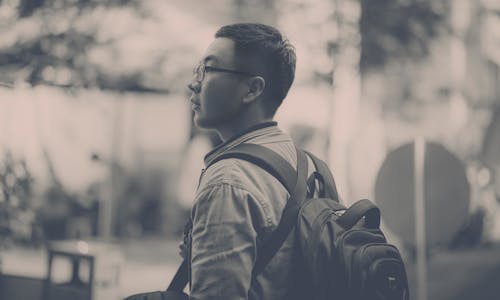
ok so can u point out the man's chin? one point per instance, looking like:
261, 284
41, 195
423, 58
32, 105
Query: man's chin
202, 122
212, 123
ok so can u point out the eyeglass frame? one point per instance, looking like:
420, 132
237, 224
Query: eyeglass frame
202, 66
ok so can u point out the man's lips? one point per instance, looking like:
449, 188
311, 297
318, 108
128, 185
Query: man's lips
194, 104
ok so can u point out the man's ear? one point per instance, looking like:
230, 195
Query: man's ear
256, 87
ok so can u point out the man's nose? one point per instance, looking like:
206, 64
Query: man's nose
194, 86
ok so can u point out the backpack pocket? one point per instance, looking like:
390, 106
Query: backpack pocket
379, 273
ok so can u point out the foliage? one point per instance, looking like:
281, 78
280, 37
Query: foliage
106, 44
15, 182
396, 29
16, 189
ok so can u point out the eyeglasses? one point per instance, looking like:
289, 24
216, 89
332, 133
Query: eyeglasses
201, 69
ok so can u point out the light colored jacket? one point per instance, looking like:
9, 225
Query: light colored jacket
237, 206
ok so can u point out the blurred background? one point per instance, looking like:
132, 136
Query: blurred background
99, 159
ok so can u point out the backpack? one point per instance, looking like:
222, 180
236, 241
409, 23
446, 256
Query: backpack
342, 253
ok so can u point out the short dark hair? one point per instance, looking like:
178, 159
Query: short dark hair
275, 54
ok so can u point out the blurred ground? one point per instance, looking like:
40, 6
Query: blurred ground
461, 274
150, 263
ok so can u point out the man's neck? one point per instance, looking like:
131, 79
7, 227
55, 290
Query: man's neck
228, 132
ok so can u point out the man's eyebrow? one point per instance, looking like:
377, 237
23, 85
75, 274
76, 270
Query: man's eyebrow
210, 58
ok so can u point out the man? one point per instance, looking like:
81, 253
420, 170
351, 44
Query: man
241, 81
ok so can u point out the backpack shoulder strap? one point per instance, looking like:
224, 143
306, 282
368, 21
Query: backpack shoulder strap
328, 181
265, 158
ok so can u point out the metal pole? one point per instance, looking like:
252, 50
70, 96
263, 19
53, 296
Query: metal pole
420, 226
345, 103
107, 212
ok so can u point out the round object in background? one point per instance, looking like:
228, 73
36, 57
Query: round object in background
447, 193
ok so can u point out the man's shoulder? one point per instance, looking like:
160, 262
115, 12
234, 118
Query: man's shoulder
223, 171
238, 173
244, 174
233, 171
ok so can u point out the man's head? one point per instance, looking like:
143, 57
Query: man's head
248, 67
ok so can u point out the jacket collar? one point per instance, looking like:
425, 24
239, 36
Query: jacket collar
237, 139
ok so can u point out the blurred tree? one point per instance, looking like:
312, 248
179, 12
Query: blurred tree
15, 182
399, 29
263, 11
107, 44
16, 201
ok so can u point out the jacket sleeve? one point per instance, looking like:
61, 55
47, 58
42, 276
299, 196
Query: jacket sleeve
224, 243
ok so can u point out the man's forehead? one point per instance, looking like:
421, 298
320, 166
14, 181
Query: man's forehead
220, 50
